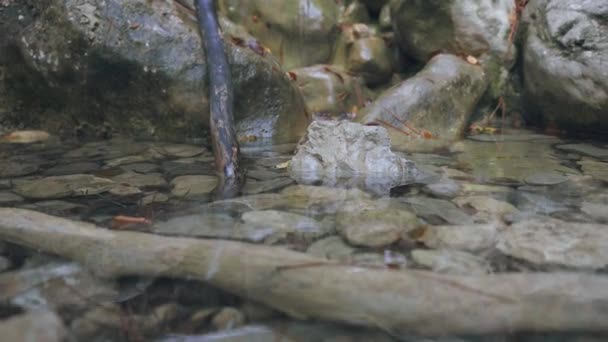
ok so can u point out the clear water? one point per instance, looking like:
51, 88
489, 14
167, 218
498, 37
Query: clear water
529, 174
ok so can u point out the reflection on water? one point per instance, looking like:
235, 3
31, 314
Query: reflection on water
513, 203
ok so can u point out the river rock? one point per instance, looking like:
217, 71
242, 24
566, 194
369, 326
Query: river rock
586, 149
454, 26
193, 186
5, 263
8, 198
374, 223
564, 61
10, 169
595, 169
274, 225
333, 248
354, 12
299, 32
471, 237
72, 168
439, 100
370, 58
328, 89
34, 326
451, 262
255, 187
341, 149
228, 318
150, 79
488, 209
63, 186
436, 210
138, 180
548, 241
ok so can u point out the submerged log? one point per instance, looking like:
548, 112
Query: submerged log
397, 301
221, 102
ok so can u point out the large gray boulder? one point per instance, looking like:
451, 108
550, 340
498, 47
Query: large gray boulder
565, 64
138, 66
431, 109
342, 150
424, 28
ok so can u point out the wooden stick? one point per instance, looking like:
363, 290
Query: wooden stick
221, 102
398, 301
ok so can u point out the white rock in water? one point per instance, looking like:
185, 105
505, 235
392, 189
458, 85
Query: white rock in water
344, 149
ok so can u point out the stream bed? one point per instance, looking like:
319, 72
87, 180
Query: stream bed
516, 201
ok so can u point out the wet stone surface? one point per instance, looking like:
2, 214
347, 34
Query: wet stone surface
544, 209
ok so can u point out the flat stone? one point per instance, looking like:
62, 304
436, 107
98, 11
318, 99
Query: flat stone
545, 178
208, 225
374, 226
73, 168
176, 168
251, 202
536, 203
451, 262
63, 186
262, 174
193, 186
147, 156
430, 209
255, 187
597, 211
331, 247
5, 264
155, 197
320, 198
585, 149
470, 237
444, 188
488, 208
122, 190
138, 180
274, 225
5, 184
8, 198
141, 167
10, 169
475, 188
107, 149
227, 319
180, 150
595, 169
555, 242
34, 326
56, 207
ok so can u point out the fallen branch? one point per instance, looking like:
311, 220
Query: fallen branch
397, 301
223, 135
